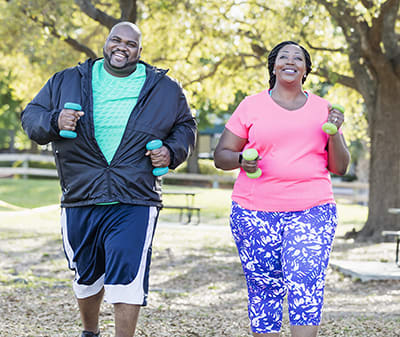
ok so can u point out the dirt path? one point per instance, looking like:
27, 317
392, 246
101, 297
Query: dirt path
197, 287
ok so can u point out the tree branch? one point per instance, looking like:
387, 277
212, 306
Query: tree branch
128, 10
90, 10
342, 15
331, 50
334, 77
206, 75
183, 58
69, 40
368, 4
363, 49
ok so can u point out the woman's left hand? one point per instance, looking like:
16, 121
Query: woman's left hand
335, 117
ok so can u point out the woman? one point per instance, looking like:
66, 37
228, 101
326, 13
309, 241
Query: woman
284, 221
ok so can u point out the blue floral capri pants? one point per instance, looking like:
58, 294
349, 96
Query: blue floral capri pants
284, 253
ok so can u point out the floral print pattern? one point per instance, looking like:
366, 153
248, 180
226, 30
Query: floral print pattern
284, 253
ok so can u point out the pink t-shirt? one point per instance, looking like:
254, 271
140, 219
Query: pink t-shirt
293, 150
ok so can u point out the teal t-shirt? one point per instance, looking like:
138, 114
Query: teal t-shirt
113, 101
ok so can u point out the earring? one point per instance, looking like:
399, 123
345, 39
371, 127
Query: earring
273, 72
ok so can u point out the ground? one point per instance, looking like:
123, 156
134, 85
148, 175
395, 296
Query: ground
196, 285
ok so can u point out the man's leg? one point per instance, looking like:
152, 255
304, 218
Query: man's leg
126, 317
90, 309
304, 330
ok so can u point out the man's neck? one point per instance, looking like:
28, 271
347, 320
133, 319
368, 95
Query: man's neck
120, 72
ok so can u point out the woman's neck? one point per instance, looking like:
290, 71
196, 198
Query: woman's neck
287, 93
288, 97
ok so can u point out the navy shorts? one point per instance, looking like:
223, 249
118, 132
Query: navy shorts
110, 246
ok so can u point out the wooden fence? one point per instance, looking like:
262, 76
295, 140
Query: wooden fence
24, 170
354, 192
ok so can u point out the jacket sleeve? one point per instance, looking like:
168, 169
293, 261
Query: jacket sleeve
182, 137
40, 117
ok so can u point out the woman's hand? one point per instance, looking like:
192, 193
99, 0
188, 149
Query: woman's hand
250, 166
335, 117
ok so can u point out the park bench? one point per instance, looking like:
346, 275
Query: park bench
396, 234
188, 207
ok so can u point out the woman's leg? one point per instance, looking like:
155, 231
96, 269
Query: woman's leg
258, 239
307, 243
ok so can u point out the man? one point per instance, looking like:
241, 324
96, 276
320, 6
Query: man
110, 198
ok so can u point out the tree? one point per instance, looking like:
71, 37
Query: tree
371, 33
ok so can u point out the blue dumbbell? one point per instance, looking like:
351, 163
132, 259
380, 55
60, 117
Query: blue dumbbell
69, 133
153, 145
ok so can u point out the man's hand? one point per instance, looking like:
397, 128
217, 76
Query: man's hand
159, 157
68, 118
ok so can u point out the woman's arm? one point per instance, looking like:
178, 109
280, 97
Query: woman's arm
228, 150
226, 154
338, 154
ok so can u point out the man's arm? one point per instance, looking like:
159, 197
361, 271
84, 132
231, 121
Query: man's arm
40, 118
182, 138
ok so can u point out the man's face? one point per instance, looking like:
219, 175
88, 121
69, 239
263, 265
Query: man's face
122, 50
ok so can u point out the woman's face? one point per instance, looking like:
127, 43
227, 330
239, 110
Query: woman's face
290, 64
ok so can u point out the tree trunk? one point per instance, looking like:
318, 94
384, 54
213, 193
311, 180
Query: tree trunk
384, 178
12, 141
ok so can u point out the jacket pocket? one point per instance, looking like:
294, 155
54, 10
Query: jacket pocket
64, 186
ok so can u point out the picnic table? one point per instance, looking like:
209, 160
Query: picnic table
188, 205
395, 234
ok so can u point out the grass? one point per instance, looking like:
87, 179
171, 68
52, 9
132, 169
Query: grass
30, 193
215, 203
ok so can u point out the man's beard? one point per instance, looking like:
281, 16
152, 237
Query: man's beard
127, 65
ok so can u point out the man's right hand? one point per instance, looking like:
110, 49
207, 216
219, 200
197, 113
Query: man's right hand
68, 118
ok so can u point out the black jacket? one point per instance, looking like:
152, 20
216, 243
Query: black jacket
85, 176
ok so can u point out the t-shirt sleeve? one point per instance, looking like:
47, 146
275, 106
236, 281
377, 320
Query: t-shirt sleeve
238, 123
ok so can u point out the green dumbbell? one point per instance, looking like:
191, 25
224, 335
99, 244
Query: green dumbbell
251, 154
329, 127
69, 133
152, 145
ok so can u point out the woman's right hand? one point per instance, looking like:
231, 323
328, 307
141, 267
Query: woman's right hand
250, 166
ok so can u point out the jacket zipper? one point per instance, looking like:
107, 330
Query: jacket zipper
109, 182
63, 186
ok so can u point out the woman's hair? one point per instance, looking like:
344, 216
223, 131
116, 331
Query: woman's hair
272, 58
